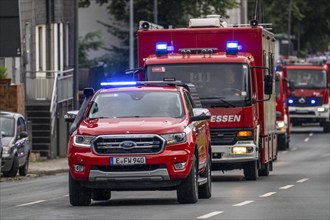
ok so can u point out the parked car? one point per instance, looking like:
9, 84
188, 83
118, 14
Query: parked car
146, 136
16, 144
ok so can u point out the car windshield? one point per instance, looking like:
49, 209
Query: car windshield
228, 81
128, 104
7, 126
308, 79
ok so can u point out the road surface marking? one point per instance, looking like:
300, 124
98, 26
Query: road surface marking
66, 195
243, 203
306, 139
294, 149
311, 134
286, 187
267, 194
302, 180
211, 214
31, 203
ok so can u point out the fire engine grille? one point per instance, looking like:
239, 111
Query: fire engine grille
223, 136
135, 168
306, 101
128, 144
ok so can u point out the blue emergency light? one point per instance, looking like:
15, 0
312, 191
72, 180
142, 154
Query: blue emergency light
113, 84
161, 49
290, 101
313, 101
232, 47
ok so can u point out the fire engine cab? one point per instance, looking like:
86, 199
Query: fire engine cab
232, 69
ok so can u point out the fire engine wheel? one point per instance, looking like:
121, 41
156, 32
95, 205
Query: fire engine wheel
101, 194
264, 171
204, 191
187, 191
326, 127
79, 195
251, 170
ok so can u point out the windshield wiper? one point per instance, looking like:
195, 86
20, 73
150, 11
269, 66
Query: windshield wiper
222, 99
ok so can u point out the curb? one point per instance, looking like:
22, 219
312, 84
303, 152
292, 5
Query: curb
48, 172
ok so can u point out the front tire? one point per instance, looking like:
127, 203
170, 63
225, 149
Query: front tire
204, 191
251, 170
13, 171
79, 195
187, 191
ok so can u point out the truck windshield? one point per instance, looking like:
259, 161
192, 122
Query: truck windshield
308, 79
228, 81
129, 104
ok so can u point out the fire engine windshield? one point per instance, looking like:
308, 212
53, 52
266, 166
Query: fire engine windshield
308, 79
129, 104
225, 83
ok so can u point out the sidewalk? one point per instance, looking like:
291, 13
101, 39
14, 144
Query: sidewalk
49, 166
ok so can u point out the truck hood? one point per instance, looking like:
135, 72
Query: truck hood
240, 117
132, 126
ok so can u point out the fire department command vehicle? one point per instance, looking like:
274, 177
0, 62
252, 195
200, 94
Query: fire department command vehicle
232, 68
310, 100
139, 136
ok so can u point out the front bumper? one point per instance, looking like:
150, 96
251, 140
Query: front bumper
315, 113
224, 153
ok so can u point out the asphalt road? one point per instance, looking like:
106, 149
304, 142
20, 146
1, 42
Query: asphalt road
298, 188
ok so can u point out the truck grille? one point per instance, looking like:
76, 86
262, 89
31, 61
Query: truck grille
128, 144
223, 136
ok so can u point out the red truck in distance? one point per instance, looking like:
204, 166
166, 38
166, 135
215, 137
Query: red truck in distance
283, 129
309, 103
232, 68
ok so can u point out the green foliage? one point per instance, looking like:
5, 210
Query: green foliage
91, 41
310, 21
3, 72
176, 13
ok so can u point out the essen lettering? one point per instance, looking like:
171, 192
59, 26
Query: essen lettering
225, 118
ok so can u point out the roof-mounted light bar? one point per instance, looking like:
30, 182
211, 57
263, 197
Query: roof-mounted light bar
167, 81
232, 47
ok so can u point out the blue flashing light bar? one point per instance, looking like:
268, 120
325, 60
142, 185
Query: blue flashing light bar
290, 101
313, 101
118, 83
161, 49
232, 47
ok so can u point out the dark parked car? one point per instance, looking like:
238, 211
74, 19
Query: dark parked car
16, 144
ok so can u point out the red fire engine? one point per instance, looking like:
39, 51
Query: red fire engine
282, 88
310, 100
232, 68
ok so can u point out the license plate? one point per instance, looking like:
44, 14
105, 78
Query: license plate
127, 160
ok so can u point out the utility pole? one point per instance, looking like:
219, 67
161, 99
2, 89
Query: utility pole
155, 11
131, 36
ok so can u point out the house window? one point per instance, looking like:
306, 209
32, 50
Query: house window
41, 50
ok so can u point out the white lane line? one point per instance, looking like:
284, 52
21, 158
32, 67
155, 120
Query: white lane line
66, 195
311, 134
306, 139
294, 149
267, 194
31, 203
286, 187
210, 214
243, 203
302, 180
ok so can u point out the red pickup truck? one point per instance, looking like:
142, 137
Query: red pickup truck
141, 136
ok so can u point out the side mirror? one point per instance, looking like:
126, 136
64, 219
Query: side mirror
278, 114
291, 86
201, 114
70, 116
23, 134
268, 80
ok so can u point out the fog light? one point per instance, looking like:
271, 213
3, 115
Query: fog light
321, 109
180, 166
79, 168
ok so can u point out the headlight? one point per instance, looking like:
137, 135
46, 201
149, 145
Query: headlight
83, 140
280, 124
175, 138
321, 109
6, 151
